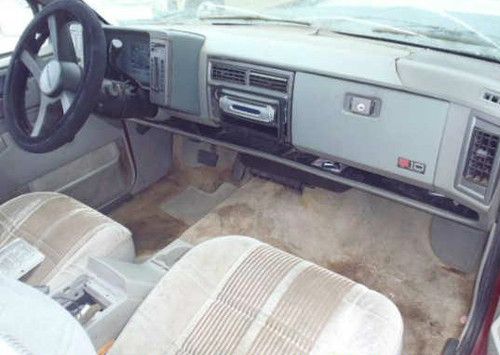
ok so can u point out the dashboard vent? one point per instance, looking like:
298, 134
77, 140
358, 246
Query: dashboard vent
481, 157
228, 73
491, 97
269, 82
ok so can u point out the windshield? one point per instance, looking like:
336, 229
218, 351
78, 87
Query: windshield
469, 27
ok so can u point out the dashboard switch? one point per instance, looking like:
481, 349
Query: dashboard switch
361, 106
158, 69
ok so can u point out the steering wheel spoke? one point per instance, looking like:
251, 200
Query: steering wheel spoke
60, 39
53, 34
31, 64
42, 116
66, 99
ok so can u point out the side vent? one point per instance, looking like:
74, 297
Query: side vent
228, 73
481, 157
268, 82
492, 97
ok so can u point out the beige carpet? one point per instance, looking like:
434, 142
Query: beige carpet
381, 244
152, 227
193, 204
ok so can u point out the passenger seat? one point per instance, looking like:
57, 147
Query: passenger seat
230, 295
236, 295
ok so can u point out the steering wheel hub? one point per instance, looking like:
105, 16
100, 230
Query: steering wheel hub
51, 78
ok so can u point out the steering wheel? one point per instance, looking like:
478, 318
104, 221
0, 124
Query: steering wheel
68, 89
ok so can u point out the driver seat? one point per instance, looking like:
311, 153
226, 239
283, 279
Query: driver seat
65, 231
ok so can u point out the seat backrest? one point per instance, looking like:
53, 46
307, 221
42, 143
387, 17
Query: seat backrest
33, 323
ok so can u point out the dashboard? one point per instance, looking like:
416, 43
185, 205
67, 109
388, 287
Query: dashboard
133, 56
136, 62
418, 126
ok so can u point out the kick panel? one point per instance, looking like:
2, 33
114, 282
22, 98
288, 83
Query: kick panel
401, 135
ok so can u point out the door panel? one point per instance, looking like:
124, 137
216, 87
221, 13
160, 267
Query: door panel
96, 167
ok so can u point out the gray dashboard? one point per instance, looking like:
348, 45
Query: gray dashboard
432, 122
408, 127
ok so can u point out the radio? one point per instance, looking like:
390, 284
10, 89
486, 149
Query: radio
262, 114
253, 111
249, 96
247, 106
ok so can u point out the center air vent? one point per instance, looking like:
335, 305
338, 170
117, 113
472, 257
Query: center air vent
481, 157
254, 78
228, 73
268, 82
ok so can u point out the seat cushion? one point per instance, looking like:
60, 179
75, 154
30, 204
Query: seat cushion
65, 231
236, 295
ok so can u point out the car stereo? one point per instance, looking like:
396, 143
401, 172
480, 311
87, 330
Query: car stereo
250, 96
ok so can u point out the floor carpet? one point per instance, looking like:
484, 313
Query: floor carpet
152, 225
379, 243
152, 229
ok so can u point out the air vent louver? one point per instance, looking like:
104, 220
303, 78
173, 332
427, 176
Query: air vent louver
481, 157
228, 73
492, 97
268, 82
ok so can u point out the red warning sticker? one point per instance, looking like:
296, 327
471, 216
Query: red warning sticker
415, 166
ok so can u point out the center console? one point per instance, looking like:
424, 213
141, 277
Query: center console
107, 293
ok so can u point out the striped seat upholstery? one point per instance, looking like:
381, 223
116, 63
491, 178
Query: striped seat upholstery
65, 231
235, 295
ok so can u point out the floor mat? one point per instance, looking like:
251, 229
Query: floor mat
152, 229
192, 204
372, 240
